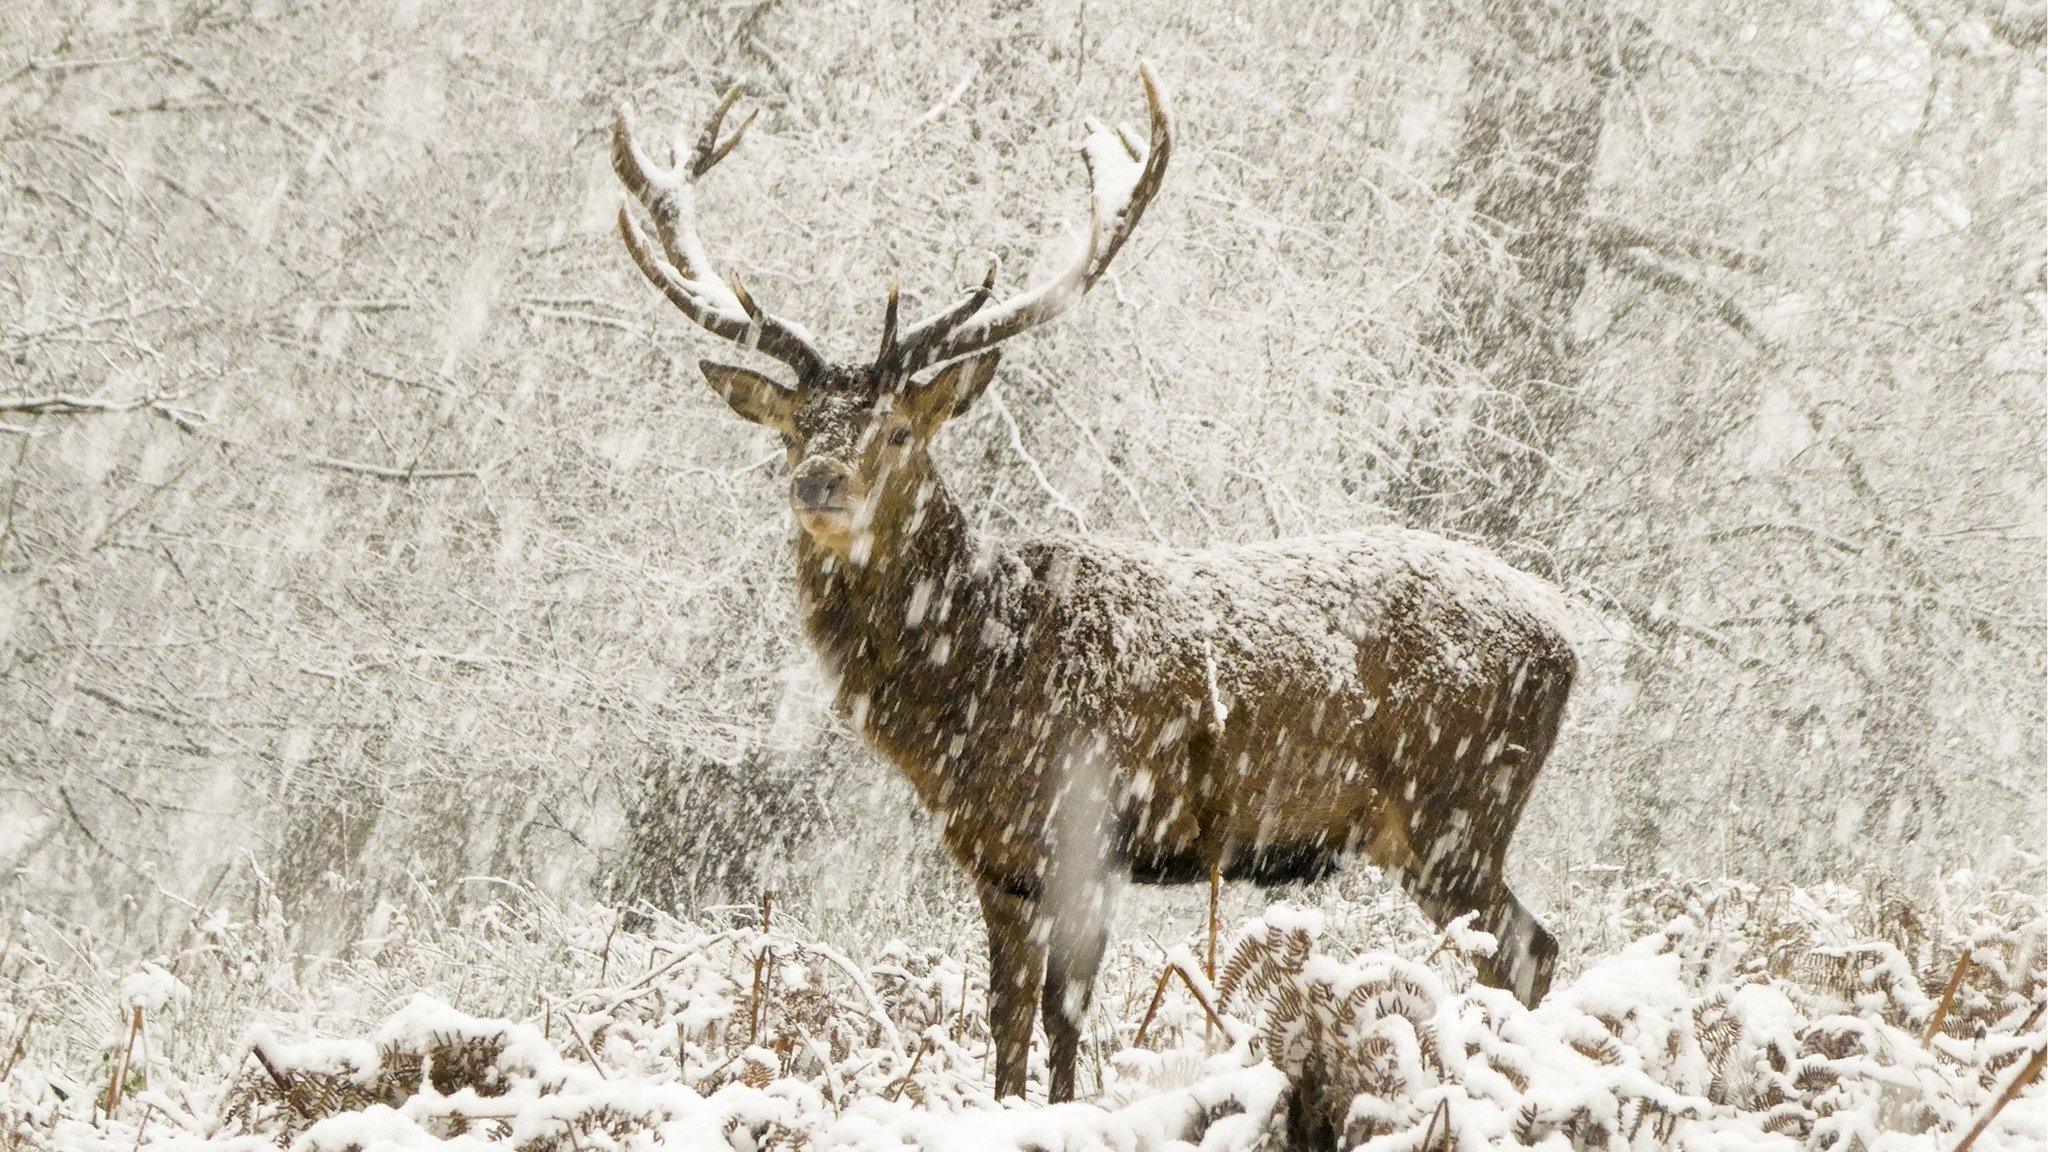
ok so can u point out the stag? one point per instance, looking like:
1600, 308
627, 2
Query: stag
1077, 710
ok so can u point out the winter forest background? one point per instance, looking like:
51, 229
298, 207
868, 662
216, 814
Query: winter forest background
365, 527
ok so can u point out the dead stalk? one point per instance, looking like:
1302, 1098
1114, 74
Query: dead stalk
756, 1010
1441, 1114
960, 1021
1948, 997
1208, 1009
20, 1045
2012, 1090
897, 1087
1215, 900
1158, 994
112, 1100
142, 1039
284, 1083
142, 1126
1173, 968
604, 960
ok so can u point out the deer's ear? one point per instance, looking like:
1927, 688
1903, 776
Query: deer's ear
954, 389
752, 395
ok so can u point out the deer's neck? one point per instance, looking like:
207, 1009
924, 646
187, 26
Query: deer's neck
893, 615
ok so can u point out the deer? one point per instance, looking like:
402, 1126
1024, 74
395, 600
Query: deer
1079, 711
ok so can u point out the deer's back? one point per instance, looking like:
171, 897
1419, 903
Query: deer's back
1394, 612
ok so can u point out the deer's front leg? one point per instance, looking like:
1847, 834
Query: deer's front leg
1016, 960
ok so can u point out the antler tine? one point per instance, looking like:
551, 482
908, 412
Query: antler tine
914, 348
889, 325
1151, 176
687, 295
709, 151
684, 271
1114, 213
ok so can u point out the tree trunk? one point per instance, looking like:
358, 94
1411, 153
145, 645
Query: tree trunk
1532, 127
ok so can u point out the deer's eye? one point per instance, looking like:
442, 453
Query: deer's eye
899, 436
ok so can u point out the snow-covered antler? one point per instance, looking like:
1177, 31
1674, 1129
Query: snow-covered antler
684, 272
1124, 176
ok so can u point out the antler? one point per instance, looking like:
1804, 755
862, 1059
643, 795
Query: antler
684, 271
1123, 178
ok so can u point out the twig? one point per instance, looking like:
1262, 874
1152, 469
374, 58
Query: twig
897, 1086
784, 73
1158, 995
386, 472
1610, 235
284, 1083
61, 404
194, 422
639, 987
1059, 500
253, 107
937, 110
584, 1044
574, 317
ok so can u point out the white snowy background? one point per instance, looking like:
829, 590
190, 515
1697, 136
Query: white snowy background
387, 609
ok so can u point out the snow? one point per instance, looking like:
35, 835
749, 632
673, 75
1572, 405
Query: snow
1461, 934
151, 988
1292, 919
1320, 604
1729, 1026
1114, 173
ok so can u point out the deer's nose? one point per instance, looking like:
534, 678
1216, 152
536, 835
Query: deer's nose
819, 485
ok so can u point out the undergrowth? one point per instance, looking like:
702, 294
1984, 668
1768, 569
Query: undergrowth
1733, 1017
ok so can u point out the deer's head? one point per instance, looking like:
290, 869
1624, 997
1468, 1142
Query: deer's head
858, 434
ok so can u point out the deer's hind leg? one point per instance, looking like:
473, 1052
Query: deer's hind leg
1074, 950
1461, 848
1525, 956
1450, 884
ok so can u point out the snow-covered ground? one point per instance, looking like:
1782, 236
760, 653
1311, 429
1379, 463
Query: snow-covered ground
1738, 1018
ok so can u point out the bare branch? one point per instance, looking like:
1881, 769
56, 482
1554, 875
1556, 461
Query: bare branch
1659, 273
1611, 235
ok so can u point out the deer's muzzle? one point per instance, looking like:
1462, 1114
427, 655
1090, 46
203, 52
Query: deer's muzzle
821, 487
